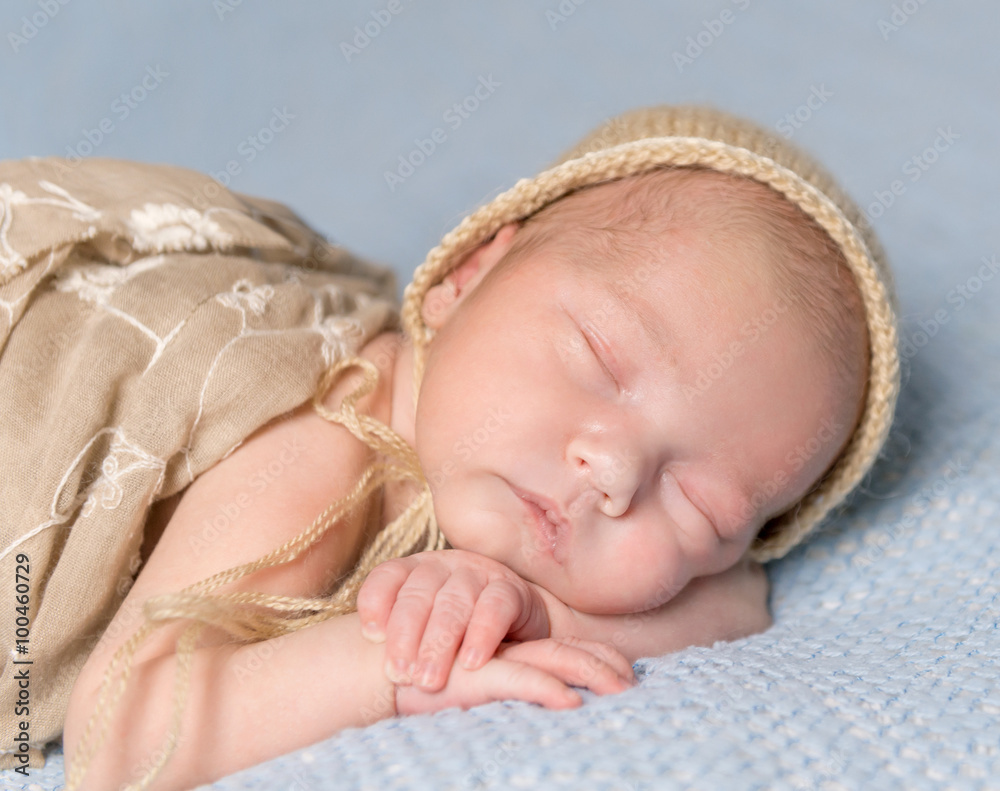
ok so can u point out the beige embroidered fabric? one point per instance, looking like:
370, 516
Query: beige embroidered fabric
150, 321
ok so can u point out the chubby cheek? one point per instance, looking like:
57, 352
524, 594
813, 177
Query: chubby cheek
473, 515
633, 576
439, 426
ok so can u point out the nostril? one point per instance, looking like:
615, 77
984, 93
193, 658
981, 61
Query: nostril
608, 506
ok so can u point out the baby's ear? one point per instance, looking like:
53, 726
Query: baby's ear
442, 299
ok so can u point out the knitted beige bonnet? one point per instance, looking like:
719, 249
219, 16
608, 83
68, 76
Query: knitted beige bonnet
696, 136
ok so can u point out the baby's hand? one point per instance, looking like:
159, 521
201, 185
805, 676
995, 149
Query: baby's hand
539, 671
426, 605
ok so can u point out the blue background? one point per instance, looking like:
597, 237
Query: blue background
559, 69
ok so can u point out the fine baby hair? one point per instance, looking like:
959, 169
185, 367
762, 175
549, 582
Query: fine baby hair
675, 140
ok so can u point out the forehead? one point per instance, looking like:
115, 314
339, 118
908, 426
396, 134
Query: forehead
647, 242
689, 293
625, 222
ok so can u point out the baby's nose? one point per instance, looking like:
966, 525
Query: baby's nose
616, 483
614, 474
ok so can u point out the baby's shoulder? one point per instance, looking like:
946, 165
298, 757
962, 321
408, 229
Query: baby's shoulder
318, 452
320, 446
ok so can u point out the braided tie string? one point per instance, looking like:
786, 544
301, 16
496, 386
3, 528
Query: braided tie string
251, 617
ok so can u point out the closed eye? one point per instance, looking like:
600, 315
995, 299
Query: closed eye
691, 511
598, 350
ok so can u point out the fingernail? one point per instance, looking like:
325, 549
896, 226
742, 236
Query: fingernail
471, 658
427, 675
371, 631
396, 671
572, 698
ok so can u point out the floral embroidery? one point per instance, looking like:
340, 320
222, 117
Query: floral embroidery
166, 226
245, 295
97, 282
123, 458
11, 259
341, 337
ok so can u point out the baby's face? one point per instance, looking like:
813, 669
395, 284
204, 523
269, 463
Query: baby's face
612, 433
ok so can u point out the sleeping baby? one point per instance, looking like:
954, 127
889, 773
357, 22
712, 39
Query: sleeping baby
618, 389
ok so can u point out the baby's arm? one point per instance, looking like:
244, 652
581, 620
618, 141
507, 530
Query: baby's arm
432, 607
244, 704
247, 704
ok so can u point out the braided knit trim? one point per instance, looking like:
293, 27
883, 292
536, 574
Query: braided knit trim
874, 282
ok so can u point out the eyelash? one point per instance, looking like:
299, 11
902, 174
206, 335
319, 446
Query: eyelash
686, 498
600, 359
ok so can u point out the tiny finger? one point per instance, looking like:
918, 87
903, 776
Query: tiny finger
453, 606
607, 653
508, 679
378, 594
571, 664
408, 620
496, 609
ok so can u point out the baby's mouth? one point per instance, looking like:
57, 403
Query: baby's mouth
548, 529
